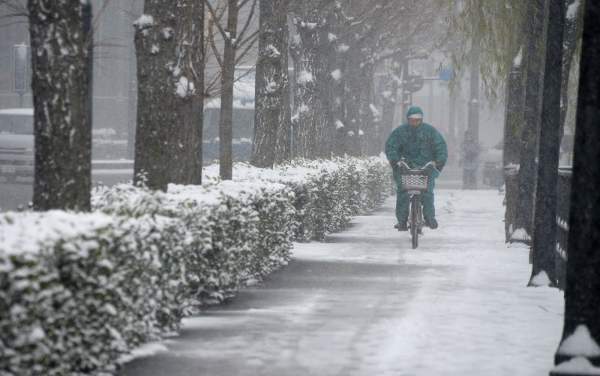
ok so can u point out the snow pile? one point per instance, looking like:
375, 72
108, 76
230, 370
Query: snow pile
305, 77
144, 21
576, 366
580, 343
541, 279
272, 51
520, 235
573, 9
518, 59
336, 74
184, 87
80, 291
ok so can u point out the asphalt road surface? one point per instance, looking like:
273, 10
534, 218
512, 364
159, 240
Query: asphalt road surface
19, 194
363, 303
16, 195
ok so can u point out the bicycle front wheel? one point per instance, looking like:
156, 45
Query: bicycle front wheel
414, 221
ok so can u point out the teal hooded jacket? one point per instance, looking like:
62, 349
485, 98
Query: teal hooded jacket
417, 145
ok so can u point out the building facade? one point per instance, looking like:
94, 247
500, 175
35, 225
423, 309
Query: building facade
114, 86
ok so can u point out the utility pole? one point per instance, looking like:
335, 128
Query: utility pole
132, 89
452, 120
471, 137
431, 99
20, 71
579, 350
406, 95
406, 98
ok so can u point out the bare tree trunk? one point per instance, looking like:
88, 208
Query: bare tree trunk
369, 132
306, 106
170, 69
544, 230
406, 96
513, 124
530, 130
512, 133
338, 71
353, 103
271, 85
61, 40
185, 164
227, 81
582, 293
311, 49
324, 123
390, 97
572, 35
284, 131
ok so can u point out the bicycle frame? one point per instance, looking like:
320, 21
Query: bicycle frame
416, 181
416, 217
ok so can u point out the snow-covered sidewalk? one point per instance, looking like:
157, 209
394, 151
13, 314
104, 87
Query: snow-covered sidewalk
364, 303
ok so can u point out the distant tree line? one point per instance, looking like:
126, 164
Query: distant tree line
327, 106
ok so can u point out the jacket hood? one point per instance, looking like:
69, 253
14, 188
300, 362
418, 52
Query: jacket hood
414, 110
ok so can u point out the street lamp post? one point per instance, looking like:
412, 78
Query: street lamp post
471, 137
20, 71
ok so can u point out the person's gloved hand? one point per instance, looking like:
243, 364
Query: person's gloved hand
432, 169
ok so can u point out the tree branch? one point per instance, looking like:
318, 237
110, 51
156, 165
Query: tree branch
240, 37
213, 14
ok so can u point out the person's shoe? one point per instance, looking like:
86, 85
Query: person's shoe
431, 223
401, 226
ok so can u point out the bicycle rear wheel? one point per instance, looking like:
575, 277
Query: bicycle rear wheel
414, 221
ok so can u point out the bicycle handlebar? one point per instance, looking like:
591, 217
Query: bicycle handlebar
403, 165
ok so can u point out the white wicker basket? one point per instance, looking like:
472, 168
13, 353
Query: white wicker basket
415, 182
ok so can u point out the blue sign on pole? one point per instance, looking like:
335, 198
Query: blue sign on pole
446, 74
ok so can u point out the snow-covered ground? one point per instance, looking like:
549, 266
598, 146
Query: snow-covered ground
364, 303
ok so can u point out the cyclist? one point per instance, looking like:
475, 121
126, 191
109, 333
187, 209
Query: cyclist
417, 143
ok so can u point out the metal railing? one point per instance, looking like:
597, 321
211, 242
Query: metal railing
562, 219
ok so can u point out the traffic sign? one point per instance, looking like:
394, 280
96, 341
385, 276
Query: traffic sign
446, 74
414, 83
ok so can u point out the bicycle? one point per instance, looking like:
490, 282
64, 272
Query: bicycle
415, 182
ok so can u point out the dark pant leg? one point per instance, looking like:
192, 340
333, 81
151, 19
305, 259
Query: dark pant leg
401, 206
428, 200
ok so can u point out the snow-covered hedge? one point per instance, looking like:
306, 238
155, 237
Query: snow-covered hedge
77, 291
235, 232
327, 193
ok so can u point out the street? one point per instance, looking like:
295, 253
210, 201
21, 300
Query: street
364, 303
18, 194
